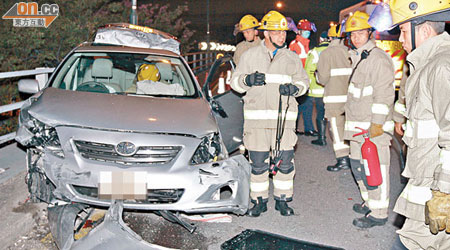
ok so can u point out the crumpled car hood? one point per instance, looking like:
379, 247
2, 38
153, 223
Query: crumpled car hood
127, 113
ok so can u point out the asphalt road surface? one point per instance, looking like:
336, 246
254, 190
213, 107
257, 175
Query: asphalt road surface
322, 202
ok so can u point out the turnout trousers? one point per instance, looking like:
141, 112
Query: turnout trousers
259, 143
376, 198
337, 123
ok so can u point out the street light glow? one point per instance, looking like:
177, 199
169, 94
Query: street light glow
279, 5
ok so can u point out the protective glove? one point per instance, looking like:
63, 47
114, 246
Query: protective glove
288, 89
255, 79
375, 130
437, 212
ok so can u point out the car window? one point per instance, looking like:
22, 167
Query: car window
219, 77
125, 73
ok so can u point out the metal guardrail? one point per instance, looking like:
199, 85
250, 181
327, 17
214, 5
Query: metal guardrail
32, 72
198, 61
41, 75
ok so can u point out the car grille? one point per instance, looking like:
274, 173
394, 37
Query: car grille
154, 196
144, 154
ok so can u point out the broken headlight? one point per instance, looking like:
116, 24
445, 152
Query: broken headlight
210, 149
44, 137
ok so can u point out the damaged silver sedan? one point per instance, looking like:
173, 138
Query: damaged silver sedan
132, 124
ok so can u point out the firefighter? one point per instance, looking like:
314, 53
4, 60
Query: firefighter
247, 26
301, 43
333, 71
315, 94
264, 73
370, 101
425, 201
301, 46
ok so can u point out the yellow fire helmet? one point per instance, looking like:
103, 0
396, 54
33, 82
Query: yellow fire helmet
405, 10
148, 72
248, 22
335, 30
273, 20
357, 21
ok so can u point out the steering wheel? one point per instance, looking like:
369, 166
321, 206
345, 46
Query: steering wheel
93, 86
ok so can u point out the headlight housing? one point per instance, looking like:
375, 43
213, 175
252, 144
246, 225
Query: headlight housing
44, 137
210, 149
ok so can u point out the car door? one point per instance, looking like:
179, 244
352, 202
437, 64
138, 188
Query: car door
227, 105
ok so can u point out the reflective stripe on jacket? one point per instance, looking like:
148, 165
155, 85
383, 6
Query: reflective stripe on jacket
371, 93
427, 133
261, 102
315, 90
333, 71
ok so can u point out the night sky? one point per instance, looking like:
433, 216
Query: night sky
225, 13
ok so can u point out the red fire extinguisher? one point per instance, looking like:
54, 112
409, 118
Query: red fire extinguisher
371, 161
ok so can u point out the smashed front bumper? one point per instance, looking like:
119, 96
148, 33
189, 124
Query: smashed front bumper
198, 189
221, 186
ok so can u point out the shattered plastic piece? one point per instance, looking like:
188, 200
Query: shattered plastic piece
209, 217
61, 220
112, 233
256, 239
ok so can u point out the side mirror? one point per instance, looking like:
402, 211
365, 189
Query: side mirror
29, 86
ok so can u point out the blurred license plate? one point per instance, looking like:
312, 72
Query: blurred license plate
122, 185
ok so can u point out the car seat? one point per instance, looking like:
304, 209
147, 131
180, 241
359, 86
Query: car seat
167, 73
102, 71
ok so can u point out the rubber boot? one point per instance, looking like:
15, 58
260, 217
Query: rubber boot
259, 207
342, 163
321, 128
361, 208
282, 206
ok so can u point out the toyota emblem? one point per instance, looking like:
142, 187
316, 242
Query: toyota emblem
126, 148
